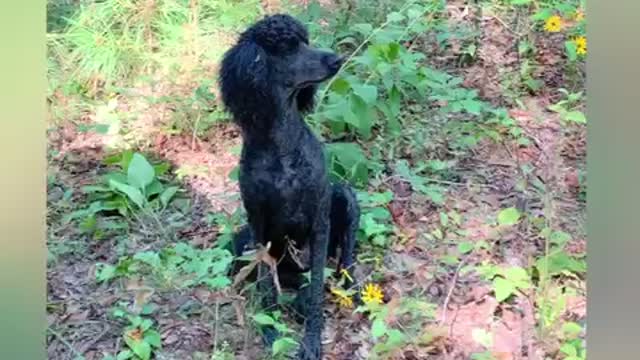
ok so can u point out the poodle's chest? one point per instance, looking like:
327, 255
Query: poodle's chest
283, 175
289, 184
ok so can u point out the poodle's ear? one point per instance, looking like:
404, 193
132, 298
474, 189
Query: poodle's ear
244, 83
306, 99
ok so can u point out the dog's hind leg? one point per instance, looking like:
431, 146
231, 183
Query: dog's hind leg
345, 220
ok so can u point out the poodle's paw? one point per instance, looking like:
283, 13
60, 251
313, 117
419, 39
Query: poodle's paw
269, 336
311, 349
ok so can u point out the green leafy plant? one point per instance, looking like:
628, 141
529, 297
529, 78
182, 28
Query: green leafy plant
347, 161
506, 280
375, 219
285, 343
134, 185
194, 114
139, 336
179, 266
573, 347
420, 183
397, 325
568, 108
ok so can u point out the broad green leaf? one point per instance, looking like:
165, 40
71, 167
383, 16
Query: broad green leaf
141, 349
263, 319
518, 277
503, 288
444, 219
341, 86
394, 101
154, 188
569, 350
380, 213
124, 355
363, 116
571, 329
393, 51
520, 2
368, 93
576, 116
560, 262
145, 324
509, 216
218, 282
559, 238
105, 272
396, 338
348, 154
283, 346
472, 106
414, 13
132, 193
364, 28
153, 338
395, 17
167, 195
465, 247
234, 174
542, 14
149, 257
571, 48
378, 328
140, 173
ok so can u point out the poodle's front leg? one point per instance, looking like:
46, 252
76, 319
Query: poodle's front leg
311, 348
265, 284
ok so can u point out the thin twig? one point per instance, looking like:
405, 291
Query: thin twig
451, 287
444, 182
65, 342
93, 341
215, 326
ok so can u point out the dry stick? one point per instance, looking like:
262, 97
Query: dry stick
88, 345
215, 326
445, 182
195, 130
65, 342
452, 286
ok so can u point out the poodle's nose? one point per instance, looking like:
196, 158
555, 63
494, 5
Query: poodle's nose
335, 61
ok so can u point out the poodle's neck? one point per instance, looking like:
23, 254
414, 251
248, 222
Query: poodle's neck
282, 129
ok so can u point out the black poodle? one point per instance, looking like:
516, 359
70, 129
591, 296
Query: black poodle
268, 80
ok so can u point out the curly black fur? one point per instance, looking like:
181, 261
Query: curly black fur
268, 80
344, 217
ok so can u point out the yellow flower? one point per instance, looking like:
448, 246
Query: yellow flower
553, 24
372, 293
579, 16
581, 45
342, 298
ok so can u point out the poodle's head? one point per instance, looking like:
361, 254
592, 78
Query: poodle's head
272, 67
